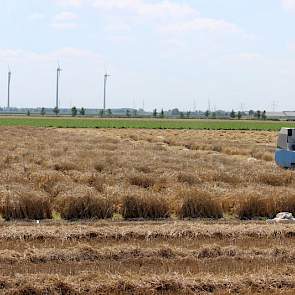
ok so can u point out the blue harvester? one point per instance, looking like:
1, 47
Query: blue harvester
285, 152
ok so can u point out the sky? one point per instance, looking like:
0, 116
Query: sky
186, 54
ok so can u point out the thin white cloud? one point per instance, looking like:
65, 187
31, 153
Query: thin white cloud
202, 24
64, 26
165, 16
249, 56
66, 16
291, 46
243, 58
74, 3
37, 16
67, 53
289, 4
118, 27
161, 9
65, 20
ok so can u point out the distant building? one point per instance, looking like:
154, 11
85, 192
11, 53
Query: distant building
285, 115
290, 115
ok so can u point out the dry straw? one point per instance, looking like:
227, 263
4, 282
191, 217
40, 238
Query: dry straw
27, 205
86, 207
199, 204
145, 206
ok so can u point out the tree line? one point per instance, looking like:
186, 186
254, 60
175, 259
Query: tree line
259, 115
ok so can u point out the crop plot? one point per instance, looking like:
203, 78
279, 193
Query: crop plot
143, 212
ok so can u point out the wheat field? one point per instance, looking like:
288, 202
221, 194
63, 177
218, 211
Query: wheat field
143, 212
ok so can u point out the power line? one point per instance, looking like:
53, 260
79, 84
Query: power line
209, 105
242, 107
8, 88
105, 90
274, 106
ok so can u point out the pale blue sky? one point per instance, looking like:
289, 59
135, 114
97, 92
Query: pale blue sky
167, 53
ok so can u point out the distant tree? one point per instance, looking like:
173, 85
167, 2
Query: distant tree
251, 113
181, 114
134, 113
214, 115
101, 113
155, 113
43, 112
82, 112
232, 114
258, 115
175, 112
207, 114
162, 114
239, 115
127, 113
109, 112
74, 111
28, 113
56, 111
264, 117
188, 114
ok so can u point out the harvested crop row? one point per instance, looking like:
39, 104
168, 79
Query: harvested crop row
146, 231
150, 285
194, 204
88, 253
178, 257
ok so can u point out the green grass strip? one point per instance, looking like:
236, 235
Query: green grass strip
145, 123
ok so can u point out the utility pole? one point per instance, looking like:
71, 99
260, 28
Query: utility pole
8, 89
58, 70
105, 90
274, 106
242, 108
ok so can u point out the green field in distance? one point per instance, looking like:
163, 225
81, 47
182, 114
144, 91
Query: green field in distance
62, 122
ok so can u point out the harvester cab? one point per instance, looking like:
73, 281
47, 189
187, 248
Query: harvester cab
285, 152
